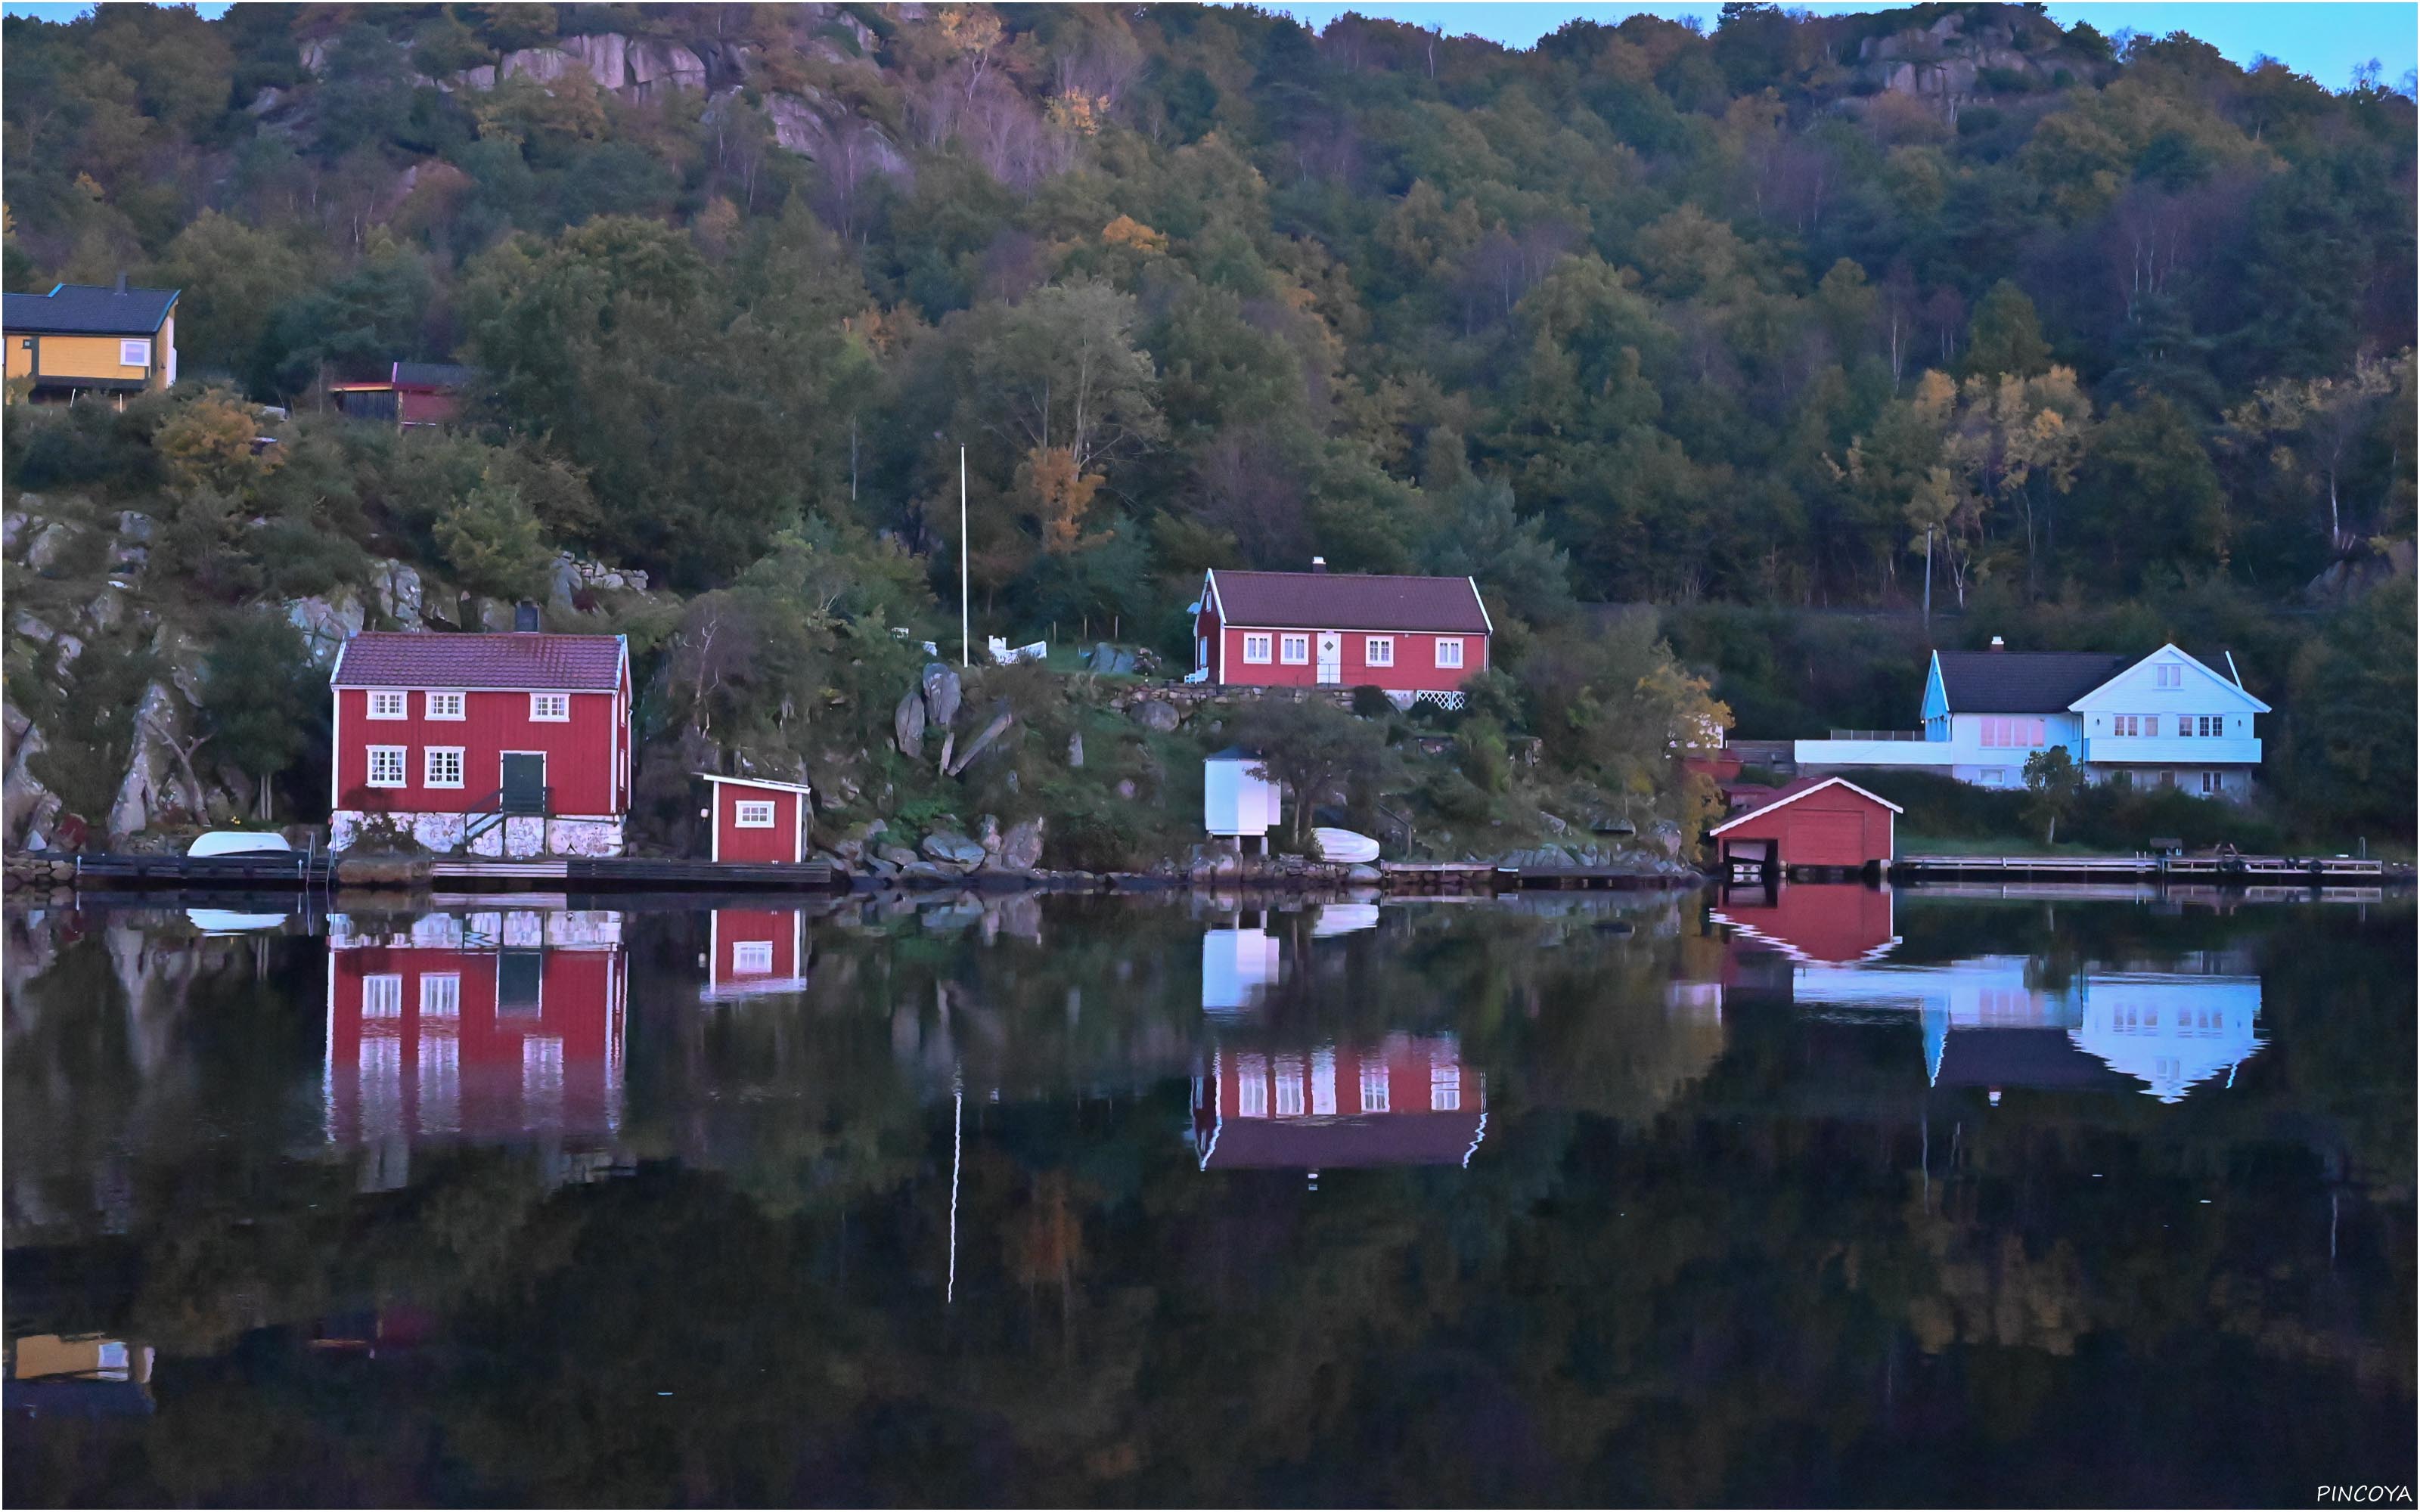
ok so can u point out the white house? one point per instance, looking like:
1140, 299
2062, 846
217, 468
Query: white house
2167, 719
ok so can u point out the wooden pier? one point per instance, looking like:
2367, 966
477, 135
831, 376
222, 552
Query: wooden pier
2226, 870
579, 874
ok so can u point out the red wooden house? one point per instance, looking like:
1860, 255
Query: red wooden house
482, 1026
1405, 1101
1417, 638
411, 393
757, 820
1827, 823
501, 744
751, 951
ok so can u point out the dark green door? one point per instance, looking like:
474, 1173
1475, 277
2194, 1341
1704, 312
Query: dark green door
524, 783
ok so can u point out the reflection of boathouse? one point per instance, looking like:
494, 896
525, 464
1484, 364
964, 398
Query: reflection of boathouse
1405, 1101
485, 1026
755, 951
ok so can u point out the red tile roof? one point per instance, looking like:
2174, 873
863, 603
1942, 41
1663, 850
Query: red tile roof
1349, 601
424, 658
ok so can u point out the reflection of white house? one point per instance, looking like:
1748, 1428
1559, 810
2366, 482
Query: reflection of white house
1989, 1022
1237, 966
2163, 721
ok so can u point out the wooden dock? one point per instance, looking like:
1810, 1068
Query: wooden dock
259, 871
2226, 870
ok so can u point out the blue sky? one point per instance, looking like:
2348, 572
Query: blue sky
2326, 41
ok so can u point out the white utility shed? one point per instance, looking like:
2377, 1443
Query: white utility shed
1233, 801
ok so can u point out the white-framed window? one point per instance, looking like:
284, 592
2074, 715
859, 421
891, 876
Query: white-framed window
382, 996
2170, 674
442, 766
2213, 726
441, 995
135, 353
2002, 732
1322, 1084
444, 706
1290, 1087
550, 708
1256, 648
542, 1069
1294, 650
753, 813
1374, 1087
386, 704
1445, 1086
1379, 650
386, 765
1251, 1088
1449, 651
1995, 777
752, 957
2212, 782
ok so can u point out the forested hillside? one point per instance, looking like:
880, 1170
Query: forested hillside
1642, 314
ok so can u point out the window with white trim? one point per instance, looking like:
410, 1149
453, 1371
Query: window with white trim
1256, 648
2000, 730
2212, 782
444, 706
550, 708
1374, 1087
382, 996
441, 995
753, 813
1449, 651
442, 766
134, 354
1294, 650
2170, 674
1251, 1088
1445, 1086
1995, 777
386, 765
1379, 650
752, 957
1290, 1087
389, 706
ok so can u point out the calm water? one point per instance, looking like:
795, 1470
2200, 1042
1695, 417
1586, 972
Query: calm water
1841, 1195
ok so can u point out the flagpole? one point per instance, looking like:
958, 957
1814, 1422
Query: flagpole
966, 623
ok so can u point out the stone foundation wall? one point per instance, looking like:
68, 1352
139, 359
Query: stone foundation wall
517, 838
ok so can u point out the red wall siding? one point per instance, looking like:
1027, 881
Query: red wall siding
1415, 667
584, 756
1838, 921
734, 927
1833, 827
732, 843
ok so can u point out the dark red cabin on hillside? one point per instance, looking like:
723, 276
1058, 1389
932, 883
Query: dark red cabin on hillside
413, 393
756, 820
1417, 638
501, 745
1828, 823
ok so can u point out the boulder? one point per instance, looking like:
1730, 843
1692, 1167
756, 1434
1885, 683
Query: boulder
1020, 849
1075, 751
953, 849
328, 622
897, 854
1001, 719
49, 546
908, 724
988, 834
1154, 713
399, 590
1126, 788
132, 526
930, 871
942, 692
1365, 872
13, 526
105, 609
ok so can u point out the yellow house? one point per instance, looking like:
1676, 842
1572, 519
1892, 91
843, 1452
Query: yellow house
86, 338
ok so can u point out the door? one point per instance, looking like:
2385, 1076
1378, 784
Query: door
1331, 656
524, 782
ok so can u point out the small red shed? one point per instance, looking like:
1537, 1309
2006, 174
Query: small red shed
754, 950
757, 820
1826, 822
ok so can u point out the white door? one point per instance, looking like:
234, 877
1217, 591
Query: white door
1331, 656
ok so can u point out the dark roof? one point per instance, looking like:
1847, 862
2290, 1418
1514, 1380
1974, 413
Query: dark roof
2025, 682
2043, 1057
1349, 601
88, 310
1326, 1144
425, 658
432, 375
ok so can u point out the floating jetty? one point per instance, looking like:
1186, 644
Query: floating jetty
2224, 871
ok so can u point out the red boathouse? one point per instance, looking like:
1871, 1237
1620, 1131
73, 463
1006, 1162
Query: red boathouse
751, 951
499, 745
756, 820
1823, 822
1417, 638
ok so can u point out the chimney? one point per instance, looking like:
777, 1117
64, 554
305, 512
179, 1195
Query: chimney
1998, 644
524, 617
1319, 564
122, 280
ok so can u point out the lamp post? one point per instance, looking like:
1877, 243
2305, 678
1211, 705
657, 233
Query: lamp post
965, 622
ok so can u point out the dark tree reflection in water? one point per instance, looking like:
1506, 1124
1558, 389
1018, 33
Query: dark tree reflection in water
1834, 1195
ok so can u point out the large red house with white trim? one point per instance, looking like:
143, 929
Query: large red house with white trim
1417, 638
501, 744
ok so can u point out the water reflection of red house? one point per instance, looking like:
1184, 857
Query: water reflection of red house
1810, 922
754, 950
1406, 1101
481, 1026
